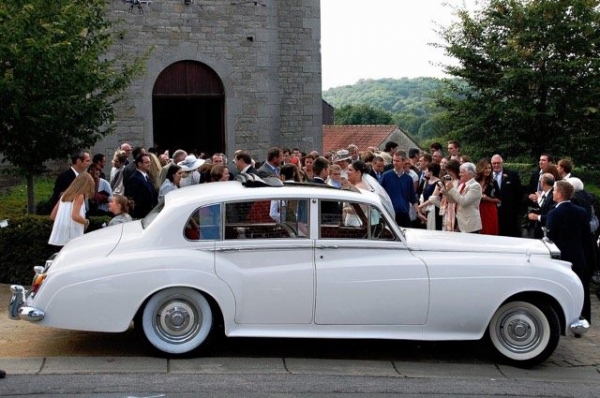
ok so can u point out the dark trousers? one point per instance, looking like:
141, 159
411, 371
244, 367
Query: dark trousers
403, 219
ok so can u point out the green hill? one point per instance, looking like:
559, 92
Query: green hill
410, 101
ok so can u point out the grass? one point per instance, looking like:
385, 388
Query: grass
13, 203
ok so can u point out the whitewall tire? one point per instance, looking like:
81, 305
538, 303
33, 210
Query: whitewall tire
177, 320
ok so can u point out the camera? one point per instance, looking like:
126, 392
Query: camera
447, 177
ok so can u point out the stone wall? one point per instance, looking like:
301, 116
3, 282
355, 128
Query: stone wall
266, 54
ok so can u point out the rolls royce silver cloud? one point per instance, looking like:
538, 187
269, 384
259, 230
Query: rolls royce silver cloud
258, 259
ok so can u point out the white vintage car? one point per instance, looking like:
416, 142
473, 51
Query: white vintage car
303, 261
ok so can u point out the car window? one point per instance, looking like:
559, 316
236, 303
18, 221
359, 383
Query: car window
204, 223
267, 219
353, 220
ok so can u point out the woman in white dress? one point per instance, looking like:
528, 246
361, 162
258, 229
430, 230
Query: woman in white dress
69, 212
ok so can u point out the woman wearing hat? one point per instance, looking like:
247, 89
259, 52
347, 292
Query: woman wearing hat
191, 175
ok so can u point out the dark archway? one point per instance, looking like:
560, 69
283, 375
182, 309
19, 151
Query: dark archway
188, 108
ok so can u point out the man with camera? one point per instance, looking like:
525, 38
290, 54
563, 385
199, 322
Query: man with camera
467, 197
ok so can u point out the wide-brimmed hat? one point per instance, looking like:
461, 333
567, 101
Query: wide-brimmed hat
341, 155
190, 163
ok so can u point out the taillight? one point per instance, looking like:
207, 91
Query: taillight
38, 278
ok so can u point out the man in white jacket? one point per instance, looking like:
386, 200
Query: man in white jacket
467, 197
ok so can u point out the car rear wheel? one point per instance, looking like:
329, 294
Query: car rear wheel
177, 320
523, 333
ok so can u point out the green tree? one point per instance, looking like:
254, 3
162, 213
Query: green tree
362, 114
529, 78
58, 86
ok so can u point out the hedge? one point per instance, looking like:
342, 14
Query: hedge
24, 244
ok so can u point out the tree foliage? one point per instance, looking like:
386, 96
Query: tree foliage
362, 115
58, 86
529, 78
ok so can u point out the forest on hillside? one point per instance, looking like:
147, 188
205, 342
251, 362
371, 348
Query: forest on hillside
409, 102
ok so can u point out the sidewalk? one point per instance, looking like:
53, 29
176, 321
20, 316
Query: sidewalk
26, 348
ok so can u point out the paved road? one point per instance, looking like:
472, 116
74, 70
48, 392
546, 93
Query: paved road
27, 349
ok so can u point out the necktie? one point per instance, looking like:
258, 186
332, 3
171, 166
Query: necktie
498, 180
462, 188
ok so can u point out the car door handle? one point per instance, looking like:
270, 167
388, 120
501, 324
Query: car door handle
327, 247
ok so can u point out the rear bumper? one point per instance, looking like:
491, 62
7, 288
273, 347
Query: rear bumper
17, 309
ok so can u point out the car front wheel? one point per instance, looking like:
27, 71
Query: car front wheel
177, 320
523, 333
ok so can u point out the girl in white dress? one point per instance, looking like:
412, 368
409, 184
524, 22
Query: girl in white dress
69, 212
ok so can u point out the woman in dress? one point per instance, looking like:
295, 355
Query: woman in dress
307, 170
172, 179
488, 207
69, 212
432, 212
120, 206
447, 210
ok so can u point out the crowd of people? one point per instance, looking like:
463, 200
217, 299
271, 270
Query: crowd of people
421, 189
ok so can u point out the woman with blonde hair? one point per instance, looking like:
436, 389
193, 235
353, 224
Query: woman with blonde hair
69, 212
154, 171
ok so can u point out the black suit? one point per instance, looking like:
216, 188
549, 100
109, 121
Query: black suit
568, 227
547, 205
142, 192
61, 184
509, 212
373, 174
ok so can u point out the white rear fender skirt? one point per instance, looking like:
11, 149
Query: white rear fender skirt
109, 304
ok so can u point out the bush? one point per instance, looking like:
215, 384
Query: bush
24, 244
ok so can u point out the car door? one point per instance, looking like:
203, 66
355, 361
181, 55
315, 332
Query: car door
365, 275
267, 263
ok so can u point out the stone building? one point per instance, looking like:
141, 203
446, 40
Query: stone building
222, 75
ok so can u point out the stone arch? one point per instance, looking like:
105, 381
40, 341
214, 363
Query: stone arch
188, 108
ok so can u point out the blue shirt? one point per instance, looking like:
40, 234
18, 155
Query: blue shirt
401, 190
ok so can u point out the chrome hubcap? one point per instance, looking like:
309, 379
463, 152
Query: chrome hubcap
519, 331
177, 321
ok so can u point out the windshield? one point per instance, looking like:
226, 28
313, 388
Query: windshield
152, 215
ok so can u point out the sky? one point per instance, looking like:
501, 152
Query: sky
374, 39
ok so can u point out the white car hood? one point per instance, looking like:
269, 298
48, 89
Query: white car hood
421, 239
90, 246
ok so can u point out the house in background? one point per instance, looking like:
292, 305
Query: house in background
337, 137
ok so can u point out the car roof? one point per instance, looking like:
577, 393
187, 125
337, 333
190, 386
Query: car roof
235, 190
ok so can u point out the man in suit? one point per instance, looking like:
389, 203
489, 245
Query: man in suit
467, 197
130, 169
377, 167
511, 194
140, 189
320, 170
568, 228
271, 166
243, 163
534, 182
80, 161
541, 203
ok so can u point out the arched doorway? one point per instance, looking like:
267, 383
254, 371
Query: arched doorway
188, 108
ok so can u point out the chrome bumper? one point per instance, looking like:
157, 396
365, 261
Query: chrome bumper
580, 327
17, 309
